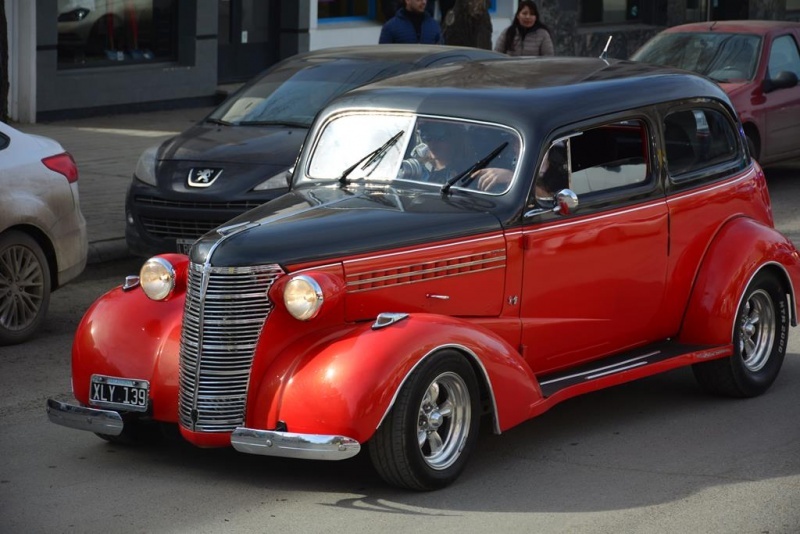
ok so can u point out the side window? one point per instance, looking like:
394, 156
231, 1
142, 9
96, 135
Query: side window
698, 139
4, 140
608, 157
784, 56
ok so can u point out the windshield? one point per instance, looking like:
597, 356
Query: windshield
422, 149
724, 57
293, 93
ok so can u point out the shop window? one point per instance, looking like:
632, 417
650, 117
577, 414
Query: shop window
610, 11
112, 32
345, 9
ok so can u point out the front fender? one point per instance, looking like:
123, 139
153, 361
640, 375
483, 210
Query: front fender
344, 382
125, 334
739, 251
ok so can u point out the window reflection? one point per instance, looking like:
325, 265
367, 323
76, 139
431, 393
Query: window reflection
103, 32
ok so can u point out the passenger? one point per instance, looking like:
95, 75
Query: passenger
411, 24
526, 36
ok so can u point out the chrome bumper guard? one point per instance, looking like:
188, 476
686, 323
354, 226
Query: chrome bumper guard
290, 445
99, 421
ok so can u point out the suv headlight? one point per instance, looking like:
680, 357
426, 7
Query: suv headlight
303, 297
157, 278
146, 166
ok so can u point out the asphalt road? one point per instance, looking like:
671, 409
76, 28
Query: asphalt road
656, 455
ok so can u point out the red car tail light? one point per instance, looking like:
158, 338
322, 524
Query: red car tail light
63, 164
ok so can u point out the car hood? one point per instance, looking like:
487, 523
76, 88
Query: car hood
322, 223
210, 143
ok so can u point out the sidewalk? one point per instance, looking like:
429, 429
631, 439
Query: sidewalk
106, 150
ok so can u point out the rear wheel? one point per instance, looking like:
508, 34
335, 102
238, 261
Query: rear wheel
426, 439
761, 332
24, 287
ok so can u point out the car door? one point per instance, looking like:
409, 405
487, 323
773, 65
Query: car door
594, 278
782, 106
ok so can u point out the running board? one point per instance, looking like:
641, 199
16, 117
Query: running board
640, 362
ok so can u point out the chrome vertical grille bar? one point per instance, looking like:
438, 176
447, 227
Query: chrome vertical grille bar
225, 309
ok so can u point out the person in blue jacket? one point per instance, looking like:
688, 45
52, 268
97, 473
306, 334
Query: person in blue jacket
411, 24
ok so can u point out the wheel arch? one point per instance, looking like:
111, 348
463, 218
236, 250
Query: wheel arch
346, 383
724, 274
43, 240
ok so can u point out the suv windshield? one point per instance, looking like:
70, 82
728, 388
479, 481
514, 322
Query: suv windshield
724, 57
432, 150
292, 94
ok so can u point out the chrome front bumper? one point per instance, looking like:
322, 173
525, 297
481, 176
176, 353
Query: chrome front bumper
290, 445
99, 421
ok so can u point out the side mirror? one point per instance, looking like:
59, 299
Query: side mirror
782, 80
566, 202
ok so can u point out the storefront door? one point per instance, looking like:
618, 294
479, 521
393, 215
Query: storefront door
248, 38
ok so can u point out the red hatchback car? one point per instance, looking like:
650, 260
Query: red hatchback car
464, 245
756, 62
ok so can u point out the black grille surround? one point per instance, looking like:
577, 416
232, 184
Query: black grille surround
225, 310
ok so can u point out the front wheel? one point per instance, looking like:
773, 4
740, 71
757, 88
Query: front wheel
760, 336
426, 439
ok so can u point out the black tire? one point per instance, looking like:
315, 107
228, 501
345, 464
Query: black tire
24, 287
426, 439
761, 334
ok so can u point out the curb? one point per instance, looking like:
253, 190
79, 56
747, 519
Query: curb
107, 250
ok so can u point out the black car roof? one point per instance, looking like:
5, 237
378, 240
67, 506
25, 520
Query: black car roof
545, 92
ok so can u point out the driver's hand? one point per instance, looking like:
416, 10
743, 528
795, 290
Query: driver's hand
492, 178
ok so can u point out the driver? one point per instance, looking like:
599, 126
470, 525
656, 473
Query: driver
442, 153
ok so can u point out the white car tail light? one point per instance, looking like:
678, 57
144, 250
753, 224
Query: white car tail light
63, 164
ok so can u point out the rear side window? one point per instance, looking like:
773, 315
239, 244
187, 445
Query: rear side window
4, 140
697, 140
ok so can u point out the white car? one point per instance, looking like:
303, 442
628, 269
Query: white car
43, 241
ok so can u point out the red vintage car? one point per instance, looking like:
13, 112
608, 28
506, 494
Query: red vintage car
470, 244
757, 62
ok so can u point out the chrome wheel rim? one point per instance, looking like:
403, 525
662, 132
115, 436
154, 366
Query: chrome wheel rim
757, 330
444, 420
21, 287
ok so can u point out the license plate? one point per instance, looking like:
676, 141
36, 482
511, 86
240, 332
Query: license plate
183, 245
122, 393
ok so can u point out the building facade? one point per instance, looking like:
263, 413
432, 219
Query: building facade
81, 57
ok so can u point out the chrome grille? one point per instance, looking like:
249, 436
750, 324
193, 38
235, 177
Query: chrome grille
224, 315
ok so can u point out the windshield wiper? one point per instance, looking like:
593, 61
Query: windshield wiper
371, 157
219, 121
466, 176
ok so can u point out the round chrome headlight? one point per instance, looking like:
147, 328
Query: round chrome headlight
303, 297
157, 278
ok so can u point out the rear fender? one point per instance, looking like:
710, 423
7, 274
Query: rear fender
345, 382
727, 269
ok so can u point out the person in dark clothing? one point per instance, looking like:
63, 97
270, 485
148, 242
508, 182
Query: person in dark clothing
468, 23
411, 24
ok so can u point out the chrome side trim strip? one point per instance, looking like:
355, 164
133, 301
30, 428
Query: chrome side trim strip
291, 445
90, 419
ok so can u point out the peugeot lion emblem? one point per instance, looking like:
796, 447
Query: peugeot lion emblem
203, 177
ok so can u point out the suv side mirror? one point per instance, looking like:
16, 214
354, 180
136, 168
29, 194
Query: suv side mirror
783, 80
